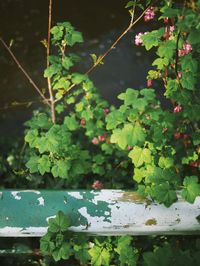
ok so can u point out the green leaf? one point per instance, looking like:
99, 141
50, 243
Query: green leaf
167, 50
44, 164
60, 223
77, 78
32, 164
81, 252
67, 62
139, 174
163, 194
76, 37
165, 162
191, 188
46, 245
130, 4
140, 156
57, 32
61, 169
52, 70
99, 256
32, 137
151, 39
127, 254
129, 96
62, 83
160, 63
113, 119
71, 123
118, 138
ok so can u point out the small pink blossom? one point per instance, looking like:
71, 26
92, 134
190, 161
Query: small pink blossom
129, 148
187, 48
106, 111
149, 83
177, 135
102, 137
177, 109
83, 122
149, 14
95, 141
180, 74
138, 39
195, 163
97, 185
166, 20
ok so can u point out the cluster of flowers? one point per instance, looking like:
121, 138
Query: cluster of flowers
177, 108
97, 185
138, 38
98, 139
187, 48
149, 14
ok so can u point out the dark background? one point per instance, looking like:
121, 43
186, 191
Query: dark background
25, 22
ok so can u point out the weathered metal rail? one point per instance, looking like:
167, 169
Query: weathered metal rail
25, 213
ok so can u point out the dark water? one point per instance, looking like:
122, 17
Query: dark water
25, 22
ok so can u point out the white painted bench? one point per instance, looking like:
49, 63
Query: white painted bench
24, 213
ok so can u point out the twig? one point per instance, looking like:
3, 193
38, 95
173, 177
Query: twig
100, 59
51, 96
24, 72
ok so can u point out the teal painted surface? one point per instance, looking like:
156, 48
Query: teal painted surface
32, 208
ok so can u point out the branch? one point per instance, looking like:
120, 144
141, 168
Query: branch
24, 72
131, 24
51, 96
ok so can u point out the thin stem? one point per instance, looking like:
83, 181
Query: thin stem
51, 96
100, 59
132, 23
24, 72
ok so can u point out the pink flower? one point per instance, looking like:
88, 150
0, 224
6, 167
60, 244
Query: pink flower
149, 14
83, 122
138, 39
129, 148
177, 109
97, 185
95, 141
171, 29
195, 163
166, 20
102, 137
106, 111
149, 82
177, 135
187, 48
180, 74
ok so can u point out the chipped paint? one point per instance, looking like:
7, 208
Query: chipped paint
15, 195
151, 222
133, 197
76, 195
53, 216
104, 212
41, 201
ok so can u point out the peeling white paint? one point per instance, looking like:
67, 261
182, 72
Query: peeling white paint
53, 216
75, 194
126, 215
15, 195
30, 190
41, 201
22, 232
